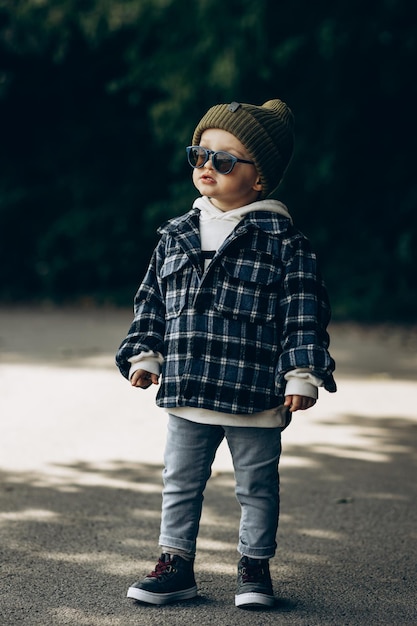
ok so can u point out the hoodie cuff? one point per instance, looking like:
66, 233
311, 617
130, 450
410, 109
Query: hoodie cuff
301, 382
301, 388
148, 361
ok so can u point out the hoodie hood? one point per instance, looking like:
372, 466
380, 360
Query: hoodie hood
210, 212
216, 225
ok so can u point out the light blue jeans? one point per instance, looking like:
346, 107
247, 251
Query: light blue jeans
189, 454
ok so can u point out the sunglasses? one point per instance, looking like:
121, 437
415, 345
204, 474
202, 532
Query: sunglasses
223, 162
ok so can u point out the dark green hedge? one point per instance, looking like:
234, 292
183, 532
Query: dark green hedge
98, 100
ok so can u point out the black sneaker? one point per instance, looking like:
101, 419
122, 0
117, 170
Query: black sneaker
254, 586
171, 581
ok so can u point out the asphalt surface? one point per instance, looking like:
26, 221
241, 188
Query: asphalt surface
80, 491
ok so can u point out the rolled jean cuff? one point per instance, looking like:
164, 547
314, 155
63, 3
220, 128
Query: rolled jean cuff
188, 556
183, 545
257, 553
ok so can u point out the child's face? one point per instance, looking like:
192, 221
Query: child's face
227, 191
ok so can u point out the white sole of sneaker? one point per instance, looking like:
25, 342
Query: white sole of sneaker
161, 598
254, 599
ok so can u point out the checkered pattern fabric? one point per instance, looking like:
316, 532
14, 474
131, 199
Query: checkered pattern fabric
229, 334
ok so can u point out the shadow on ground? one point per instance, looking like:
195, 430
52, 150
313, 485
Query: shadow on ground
72, 541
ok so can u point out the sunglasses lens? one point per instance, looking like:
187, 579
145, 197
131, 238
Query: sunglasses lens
223, 162
197, 156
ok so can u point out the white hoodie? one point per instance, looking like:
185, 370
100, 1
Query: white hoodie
216, 225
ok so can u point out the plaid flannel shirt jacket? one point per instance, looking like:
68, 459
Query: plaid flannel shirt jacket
228, 335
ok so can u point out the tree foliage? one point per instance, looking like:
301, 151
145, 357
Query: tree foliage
99, 98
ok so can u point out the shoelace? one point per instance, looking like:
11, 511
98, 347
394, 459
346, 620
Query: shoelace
252, 573
161, 568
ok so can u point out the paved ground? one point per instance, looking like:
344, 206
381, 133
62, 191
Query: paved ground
80, 469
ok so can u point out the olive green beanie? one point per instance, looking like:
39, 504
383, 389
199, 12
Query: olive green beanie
266, 131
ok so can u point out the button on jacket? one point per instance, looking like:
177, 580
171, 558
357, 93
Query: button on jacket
229, 334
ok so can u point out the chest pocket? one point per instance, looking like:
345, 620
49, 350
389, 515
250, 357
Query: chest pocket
175, 274
249, 286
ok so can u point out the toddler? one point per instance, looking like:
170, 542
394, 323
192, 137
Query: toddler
230, 321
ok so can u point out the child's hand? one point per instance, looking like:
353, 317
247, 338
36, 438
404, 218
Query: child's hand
143, 379
298, 403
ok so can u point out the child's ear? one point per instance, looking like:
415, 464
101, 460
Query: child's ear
258, 185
